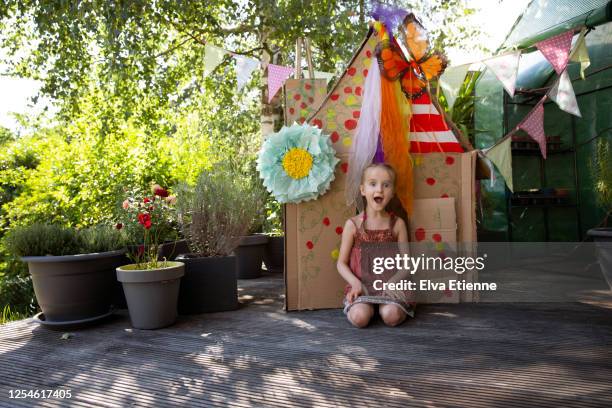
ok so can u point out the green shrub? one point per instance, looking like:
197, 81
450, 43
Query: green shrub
42, 239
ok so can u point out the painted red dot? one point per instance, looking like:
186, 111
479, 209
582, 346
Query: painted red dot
317, 123
310, 99
348, 90
444, 195
450, 160
307, 86
326, 221
302, 120
419, 234
365, 72
436, 237
442, 255
339, 230
344, 167
334, 97
303, 105
350, 124
335, 137
297, 97
351, 71
356, 114
431, 181
358, 91
291, 111
448, 292
369, 54
309, 245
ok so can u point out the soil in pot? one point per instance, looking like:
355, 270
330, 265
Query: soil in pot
274, 255
209, 284
75, 287
152, 294
603, 242
249, 256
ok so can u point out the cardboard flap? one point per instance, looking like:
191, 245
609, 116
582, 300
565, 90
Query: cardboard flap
434, 213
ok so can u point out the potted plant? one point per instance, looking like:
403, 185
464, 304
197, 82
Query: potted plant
72, 270
252, 247
151, 285
273, 227
214, 215
603, 187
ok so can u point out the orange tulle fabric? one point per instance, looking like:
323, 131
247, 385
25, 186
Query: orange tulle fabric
394, 129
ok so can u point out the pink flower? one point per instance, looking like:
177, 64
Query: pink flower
171, 199
126, 204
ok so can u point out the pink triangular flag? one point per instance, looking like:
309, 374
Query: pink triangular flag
556, 50
277, 75
533, 124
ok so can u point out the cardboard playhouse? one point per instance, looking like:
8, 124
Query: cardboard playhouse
444, 185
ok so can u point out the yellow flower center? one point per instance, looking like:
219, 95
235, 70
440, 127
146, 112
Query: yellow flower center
297, 163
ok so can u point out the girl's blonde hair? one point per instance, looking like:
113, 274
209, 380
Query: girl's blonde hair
385, 166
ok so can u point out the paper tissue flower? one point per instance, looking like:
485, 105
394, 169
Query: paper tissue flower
297, 163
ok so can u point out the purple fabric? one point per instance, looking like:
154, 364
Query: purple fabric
389, 15
379, 156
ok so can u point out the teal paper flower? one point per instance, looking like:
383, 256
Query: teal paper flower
297, 163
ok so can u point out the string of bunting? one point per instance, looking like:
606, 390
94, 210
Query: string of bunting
505, 68
277, 74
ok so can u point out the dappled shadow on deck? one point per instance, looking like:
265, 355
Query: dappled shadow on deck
450, 355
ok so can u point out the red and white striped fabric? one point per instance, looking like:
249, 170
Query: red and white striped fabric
428, 130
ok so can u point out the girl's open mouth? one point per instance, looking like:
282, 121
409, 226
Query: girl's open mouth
378, 200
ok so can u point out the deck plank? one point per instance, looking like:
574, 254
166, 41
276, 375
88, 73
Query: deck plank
477, 355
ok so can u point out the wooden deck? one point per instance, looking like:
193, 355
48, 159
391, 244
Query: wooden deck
476, 355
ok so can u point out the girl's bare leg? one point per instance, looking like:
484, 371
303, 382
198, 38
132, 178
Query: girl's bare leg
392, 315
360, 314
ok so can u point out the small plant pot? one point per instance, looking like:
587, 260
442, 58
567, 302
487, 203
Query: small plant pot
75, 287
603, 242
151, 294
274, 257
209, 284
249, 256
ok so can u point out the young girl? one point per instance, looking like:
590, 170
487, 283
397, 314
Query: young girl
374, 224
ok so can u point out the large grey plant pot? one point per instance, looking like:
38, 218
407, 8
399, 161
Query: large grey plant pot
209, 284
249, 256
274, 257
603, 242
151, 294
75, 287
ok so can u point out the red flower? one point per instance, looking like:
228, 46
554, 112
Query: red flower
160, 191
119, 226
146, 200
144, 220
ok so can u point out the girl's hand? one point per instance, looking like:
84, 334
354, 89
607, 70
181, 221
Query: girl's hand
353, 293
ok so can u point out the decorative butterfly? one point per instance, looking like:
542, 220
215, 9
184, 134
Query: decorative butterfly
423, 66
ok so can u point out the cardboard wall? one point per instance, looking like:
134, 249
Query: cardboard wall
313, 229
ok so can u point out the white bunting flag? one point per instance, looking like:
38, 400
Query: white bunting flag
581, 53
563, 94
318, 74
213, 56
505, 68
451, 81
556, 50
277, 75
501, 156
244, 68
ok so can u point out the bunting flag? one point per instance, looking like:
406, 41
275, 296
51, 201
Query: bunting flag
505, 68
556, 50
277, 75
213, 56
501, 156
318, 74
451, 81
244, 68
581, 53
533, 124
563, 94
